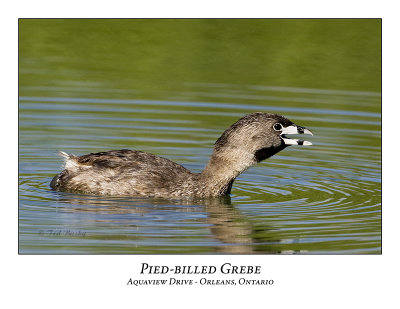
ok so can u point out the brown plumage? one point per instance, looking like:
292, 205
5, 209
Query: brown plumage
253, 138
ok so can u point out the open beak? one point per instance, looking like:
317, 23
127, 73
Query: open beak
293, 129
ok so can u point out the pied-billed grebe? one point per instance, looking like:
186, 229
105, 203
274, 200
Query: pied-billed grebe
253, 138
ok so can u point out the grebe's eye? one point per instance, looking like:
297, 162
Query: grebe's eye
277, 127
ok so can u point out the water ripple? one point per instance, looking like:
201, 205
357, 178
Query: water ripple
325, 198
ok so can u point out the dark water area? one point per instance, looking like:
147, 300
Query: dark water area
171, 87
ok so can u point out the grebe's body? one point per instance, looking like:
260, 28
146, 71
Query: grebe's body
251, 139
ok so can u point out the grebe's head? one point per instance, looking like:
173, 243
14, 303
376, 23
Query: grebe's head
259, 136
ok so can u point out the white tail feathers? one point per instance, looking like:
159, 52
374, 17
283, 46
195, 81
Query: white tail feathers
64, 155
69, 162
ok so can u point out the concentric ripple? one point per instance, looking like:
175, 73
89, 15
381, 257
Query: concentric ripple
325, 198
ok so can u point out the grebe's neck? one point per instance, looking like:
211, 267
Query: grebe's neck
222, 169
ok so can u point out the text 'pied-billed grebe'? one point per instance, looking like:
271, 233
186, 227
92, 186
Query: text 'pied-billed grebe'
253, 138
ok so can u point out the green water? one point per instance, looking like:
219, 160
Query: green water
171, 87
152, 55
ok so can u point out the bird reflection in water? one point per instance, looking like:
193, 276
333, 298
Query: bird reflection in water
227, 225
